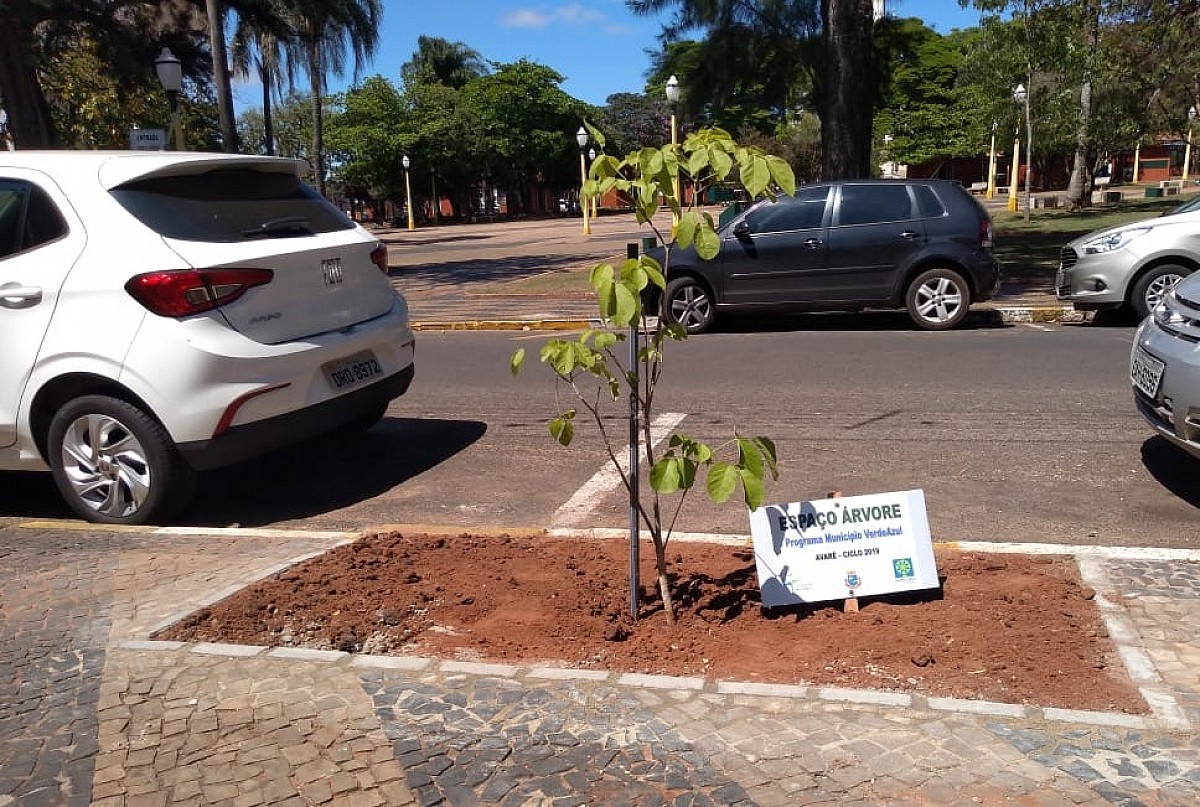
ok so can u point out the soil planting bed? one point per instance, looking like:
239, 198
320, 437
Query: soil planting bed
1010, 628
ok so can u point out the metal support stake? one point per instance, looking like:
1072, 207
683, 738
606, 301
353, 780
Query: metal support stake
631, 250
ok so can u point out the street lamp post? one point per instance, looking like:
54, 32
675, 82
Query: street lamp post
170, 75
991, 180
595, 200
1187, 146
1021, 96
581, 137
408, 193
673, 101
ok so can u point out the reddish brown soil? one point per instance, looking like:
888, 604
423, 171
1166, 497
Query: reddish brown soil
1010, 628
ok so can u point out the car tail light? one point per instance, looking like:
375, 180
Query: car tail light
183, 292
379, 257
985, 233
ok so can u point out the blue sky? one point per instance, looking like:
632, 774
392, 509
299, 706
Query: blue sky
599, 46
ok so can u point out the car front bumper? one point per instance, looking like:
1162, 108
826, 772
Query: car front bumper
1094, 282
1173, 410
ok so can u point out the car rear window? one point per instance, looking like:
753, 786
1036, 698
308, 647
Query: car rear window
230, 205
928, 203
873, 204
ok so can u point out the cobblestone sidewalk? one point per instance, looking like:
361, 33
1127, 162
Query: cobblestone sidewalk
91, 712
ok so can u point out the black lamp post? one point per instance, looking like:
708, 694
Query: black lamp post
170, 75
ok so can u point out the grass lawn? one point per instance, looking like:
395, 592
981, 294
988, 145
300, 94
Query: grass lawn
1030, 249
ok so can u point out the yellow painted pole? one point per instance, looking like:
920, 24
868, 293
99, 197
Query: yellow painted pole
1187, 154
1137, 161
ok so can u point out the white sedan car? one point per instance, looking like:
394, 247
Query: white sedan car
167, 313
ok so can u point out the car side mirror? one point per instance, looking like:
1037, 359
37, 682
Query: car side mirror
741, 229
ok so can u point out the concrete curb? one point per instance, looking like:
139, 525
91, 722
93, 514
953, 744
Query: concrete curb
1007, 315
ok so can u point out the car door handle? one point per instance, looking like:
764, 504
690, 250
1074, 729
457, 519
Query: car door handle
14, 296
909, 235
813, 243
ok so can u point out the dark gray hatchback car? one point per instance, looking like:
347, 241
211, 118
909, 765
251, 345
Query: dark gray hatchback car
920, 244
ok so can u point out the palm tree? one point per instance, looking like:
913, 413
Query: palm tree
260, 44
443, 62
323, 29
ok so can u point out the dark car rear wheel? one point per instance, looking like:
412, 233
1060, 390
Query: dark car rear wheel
689, 303
1152, 287
114, 464
938, 299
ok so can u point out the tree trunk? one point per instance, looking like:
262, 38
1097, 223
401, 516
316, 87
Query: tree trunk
316, 76
29, 121
265, 77
1078, 190
664, 584
216, 34
848, 105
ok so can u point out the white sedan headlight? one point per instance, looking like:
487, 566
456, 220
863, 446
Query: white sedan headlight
1111, 242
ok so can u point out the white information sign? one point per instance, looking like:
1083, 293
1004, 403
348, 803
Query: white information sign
833, 549
147, 139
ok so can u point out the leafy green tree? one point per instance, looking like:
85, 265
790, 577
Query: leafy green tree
522, 123
35, 34
373, 132
592, 368
292, 126
632, 121
926, 109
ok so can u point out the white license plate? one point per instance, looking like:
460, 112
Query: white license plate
1145, 372
352, 370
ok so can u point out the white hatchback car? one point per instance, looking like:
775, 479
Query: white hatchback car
167, 313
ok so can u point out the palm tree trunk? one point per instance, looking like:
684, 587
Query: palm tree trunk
318, 117
268, 121
216, 33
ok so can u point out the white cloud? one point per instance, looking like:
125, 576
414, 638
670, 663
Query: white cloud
525, 18
572, 14
577, 14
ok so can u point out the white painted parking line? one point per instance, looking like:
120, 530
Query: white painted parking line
578, 509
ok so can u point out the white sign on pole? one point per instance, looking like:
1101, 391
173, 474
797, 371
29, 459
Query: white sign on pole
833, 549
147, 139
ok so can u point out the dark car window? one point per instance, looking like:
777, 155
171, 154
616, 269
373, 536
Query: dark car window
230, 205
28, 218
928, 203
870, 204
802, 212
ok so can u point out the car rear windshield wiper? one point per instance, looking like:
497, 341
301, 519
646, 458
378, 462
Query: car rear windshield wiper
287, 226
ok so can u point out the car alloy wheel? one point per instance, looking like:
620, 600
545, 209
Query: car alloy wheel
1152, 287
938, 299
114, 464
689, 304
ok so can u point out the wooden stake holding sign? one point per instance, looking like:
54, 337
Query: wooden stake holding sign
850, 604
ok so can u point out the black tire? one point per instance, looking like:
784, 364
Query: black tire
114, 464
1151, 287
689, 302
938, 299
